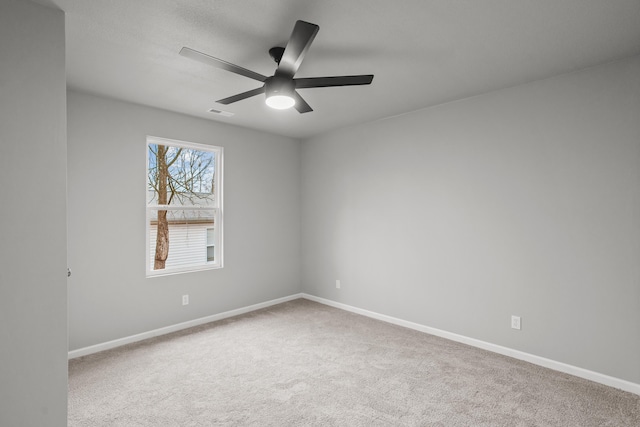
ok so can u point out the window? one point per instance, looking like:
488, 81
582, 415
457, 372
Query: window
211, 244
184, 206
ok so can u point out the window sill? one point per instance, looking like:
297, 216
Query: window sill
182, 270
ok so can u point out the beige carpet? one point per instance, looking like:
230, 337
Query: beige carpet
306, 364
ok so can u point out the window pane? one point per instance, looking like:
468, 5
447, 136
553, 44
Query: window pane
180, 176
187, 238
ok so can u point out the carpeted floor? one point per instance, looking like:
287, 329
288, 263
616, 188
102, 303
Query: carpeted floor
306, 364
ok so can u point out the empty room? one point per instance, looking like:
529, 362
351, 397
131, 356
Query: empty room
336, 213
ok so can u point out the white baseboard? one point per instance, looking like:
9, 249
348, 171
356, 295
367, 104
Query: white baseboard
173, 328
516, 354
536, 360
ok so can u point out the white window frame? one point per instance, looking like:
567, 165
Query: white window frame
217, 208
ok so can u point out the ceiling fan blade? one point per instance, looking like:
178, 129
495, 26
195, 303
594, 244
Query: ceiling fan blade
333, 81
241, 96
301, 104
298, 44
219, 63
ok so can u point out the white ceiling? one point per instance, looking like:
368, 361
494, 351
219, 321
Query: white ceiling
421, 52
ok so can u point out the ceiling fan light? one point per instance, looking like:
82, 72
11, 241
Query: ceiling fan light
279, 92
280, 102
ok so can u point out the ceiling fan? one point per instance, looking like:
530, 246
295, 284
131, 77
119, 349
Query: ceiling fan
280, 89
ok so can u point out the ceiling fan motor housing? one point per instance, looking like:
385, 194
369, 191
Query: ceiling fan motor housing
279, 86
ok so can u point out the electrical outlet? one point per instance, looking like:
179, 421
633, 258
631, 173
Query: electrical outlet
337, 284
185, 299
515, 322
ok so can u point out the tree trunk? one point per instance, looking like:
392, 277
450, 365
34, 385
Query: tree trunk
162, 241
162, 236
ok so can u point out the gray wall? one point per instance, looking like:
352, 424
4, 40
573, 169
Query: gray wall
109, 295
33, 258
524, 201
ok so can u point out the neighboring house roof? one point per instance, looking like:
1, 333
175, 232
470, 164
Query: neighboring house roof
185, 216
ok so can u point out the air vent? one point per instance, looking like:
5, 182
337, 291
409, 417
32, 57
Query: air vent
220, 112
